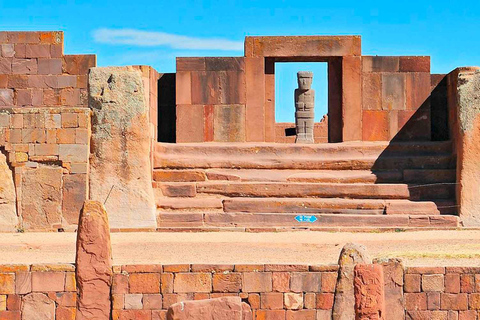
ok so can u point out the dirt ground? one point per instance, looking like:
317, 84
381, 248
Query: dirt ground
419, 248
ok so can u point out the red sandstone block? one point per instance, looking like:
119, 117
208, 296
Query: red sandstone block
10, 315
171, 298
416, 301
201, 296
325, 301
48, 281
375, 126
393, 91
24, 97
120, 284
64, 299
425, 270
474, 301
13, 302
452, 283
142, 268
70, 282
310, 300
24, 66
257, 282
65, 135
178, 175
212, 267
306, 282
23, 282
144, 283
159, 314
329, 281
467, 283
449, 301
6, 97
191, 64
178, 190
301, 315
37, 51
433, 300
467, 315
271, 300
7, 283
5, 65
285, 267
412, 283
477, 283
270, 314
69, 120
65, 313
227, 282
380, 64
281, 281
192, 282
78, 64
132, 315
190, 123
415, 64
70, 97
372, 91
254, 300
56, 50
166, 283
249, 267
20, 50
152, 301
433, 282
183, 88
3, 80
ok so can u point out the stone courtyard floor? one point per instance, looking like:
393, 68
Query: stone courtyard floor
419, 248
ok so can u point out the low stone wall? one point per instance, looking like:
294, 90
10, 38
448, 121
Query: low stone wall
272, 291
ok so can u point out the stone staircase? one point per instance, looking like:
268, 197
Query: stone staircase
217, 186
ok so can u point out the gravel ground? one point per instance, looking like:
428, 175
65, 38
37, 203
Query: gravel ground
419, 248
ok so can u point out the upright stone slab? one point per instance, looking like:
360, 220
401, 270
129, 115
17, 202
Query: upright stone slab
369, 292
225, 308
467, 142
120, 167
8, 211
93, 263
393, 276
344, 303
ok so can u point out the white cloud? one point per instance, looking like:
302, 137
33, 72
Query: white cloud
153, 39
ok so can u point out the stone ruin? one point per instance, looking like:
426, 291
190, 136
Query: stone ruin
304, 108
188, 150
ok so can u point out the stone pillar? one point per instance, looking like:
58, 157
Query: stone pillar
120, 166
464, 104
8, 212
393, 276
369, 292
93, 263
344, 303
304, 107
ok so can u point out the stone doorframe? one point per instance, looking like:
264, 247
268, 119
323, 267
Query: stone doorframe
343, 55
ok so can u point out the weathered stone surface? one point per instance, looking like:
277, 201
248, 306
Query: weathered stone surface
467, 140
42, 197
121, 147
210, 309
304, 107
344, 303
8, 211
369, 292
37, 306
93, 263
393, 275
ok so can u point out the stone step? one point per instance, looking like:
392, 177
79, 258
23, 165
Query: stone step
322, 190
344, 149
440, 161
330, 206
189, 204
259, 220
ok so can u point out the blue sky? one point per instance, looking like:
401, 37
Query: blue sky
155, 32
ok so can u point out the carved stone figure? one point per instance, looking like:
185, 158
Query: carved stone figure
304, 107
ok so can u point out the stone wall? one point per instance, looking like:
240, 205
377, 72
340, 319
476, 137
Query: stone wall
272, 291
44, 127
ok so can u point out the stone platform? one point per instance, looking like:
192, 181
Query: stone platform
267, 185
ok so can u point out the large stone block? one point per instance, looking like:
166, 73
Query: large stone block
229, 123
190, 123
42, 197
393, 91
8, 210
120, 167
38, 306
369, 292
224, 308
93, 263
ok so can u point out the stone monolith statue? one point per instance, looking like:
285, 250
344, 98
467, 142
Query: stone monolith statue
304, 104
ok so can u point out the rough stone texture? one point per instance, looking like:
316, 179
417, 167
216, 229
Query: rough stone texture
369, 292
230, 308
344, 303
393, 274
37, 306
41, 197
93, 263
121, 147
467, 141
8, 212
304, 107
